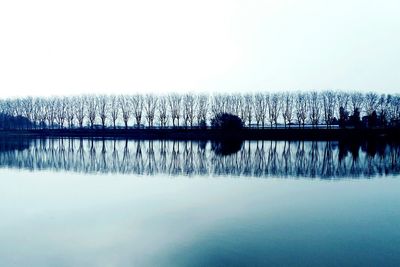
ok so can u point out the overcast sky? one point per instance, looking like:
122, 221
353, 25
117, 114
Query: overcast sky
72, 47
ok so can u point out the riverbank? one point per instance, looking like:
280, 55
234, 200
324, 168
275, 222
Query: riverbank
213, 134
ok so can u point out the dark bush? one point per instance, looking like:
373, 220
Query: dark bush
226, 121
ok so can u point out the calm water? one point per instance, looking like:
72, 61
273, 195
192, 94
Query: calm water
152, 203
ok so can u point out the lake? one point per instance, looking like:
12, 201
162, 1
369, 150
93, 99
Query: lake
97, 202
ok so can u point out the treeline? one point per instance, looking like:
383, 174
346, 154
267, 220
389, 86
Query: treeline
196, 110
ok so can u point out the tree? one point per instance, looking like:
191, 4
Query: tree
125, 105
150, 104
260, 108
80, 109
103, 109
51, 111
37, 112
343, 100
355, 118
301, 108
274, 107
226, 121
217, 104
248, 108
235, 104
189, 104
328, 101
343, 117
92, 107
394, 108
383, 109
114, 109
371, 101
27, 108
137, 106
343, 103
61, 111
162, 110
287, 111
202, 107
71, 107
174, 101
314, 108
356, 99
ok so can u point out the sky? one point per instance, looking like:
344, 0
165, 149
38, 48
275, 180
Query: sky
79, 47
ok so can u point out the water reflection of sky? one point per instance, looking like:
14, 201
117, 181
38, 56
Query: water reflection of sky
67, 219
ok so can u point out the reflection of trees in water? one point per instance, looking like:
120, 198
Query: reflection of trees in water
255, 158
314, 159
300, 160
328, 164
259, 159
188, 158
272, 160
201, 158
175, 156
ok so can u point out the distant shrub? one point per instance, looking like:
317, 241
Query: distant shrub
226, 121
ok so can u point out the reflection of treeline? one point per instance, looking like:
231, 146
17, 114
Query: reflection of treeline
255, 158
194, 110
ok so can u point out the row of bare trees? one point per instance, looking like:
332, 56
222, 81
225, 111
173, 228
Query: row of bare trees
193, 110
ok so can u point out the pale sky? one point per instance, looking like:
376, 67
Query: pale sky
73, 47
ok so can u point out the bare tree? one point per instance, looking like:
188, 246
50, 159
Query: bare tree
71, 107
229, 103
114, 109
103, 109
287, 108
150, 104
202, 108
37, 112
217, 104
248, 107
328, 102
301, 108
137, 106
80, 110
162, 110
274, 107
343, 100
383, 107
125, 104
27, 108
61, 111
371, 102
189, 109
394, 107
51, 111
314, 108
357, 100
92, 107
174, 101
235, 104
260, 109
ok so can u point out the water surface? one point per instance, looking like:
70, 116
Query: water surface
61, 211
